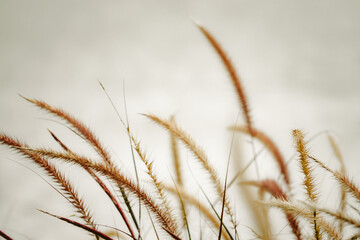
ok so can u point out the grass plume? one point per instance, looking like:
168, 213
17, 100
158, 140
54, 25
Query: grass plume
325, 222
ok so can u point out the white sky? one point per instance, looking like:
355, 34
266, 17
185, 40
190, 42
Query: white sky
299, 61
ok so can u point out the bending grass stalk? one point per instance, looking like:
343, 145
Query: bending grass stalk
341, 217
345, 182
172, 127
214, 210
265, 213
233, 75
306, 211
77, 224
175, 156
183, 210
152, 175
271, 146
127, 126
56, 176
245, 192
80, 128
329, 229
200, 206
87, 134
166, 220
237, 84
84, 132
128, 132
274, 189
2, 234
338, 155
153, 225
243, 170
224, 195
101, 184
178, 174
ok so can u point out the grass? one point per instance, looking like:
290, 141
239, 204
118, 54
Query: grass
170, 206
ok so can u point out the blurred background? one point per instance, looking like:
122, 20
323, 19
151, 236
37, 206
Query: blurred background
298, 60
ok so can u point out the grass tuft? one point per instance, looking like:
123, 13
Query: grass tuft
305, 219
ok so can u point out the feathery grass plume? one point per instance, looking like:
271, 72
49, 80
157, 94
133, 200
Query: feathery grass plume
172, 127
83, 131
78, 126
308, 175
329, 229
271, 146
175, 156
306, 211
341, 217
64, 185
98, 180
149, 165
126, 126
166, 220
163, 215
200, 206
305, 165
178, 173
103, 186
338, 155
344, 180
294, 208
233, 75
275, 190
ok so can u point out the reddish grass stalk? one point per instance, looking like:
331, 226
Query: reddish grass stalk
113, 199
233, 75
100, 182
60, 142
2, 234
83, 130
271, 146
65, 186
199, 154
166, 220
275, 190
77, 224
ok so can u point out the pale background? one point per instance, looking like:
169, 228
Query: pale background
299, 61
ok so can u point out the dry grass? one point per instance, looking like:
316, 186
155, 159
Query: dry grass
173, 205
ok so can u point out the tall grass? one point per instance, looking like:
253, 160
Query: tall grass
170, 205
